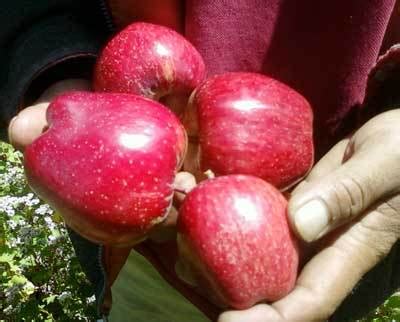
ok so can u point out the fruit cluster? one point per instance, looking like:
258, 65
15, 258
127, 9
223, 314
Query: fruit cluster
108, 161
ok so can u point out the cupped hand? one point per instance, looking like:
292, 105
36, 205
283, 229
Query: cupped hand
354, 193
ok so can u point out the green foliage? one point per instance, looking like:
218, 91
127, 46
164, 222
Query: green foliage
388, 311
40, 277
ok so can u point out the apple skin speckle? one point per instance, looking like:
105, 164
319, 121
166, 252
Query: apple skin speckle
98, 163
247, 123
235, 242
150, 60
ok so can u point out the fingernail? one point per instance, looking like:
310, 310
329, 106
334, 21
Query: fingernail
311, 219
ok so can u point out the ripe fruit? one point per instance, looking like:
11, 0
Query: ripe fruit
246, 123
152, 61
107, 164
234, 241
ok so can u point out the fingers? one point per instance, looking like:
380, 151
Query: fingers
258, 313
330, 162
114, 259
184, 182
73, 84
166, 231
31, 122
27, 125
332, 198
331, 275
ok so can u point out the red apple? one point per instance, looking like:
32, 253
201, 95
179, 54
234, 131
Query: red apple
235, 242
247, 123
107, 164
152, 61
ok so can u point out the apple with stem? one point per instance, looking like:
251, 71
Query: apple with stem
152, 61
247, 123
234, 241
107, 164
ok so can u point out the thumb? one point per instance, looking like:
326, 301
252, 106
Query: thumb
27, 126
31, 121
329, 201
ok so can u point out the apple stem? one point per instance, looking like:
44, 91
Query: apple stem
209, 174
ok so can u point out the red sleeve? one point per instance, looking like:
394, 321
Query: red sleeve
325, 50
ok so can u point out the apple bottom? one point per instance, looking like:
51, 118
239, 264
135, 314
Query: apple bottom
194, 272
110, 234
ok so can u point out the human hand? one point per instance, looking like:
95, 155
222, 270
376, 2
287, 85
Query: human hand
356, 187
31, 121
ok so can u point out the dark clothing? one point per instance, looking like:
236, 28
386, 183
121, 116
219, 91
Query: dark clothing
35, 37
328, 52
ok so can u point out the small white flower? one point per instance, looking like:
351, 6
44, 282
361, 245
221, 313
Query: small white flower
52, 239
12, 224
50, 223
44, 210
91, 299
7, 205
10, 212
8, 309
64, 295
15, 242
32, 202
22, 222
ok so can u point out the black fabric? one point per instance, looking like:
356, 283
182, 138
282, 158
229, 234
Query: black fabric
18, 16
90, 256
38, 35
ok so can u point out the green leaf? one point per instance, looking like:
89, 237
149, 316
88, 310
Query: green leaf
18, 280
393, 302
50, 299
7, 258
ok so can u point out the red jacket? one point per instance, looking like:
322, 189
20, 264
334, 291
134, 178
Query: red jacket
325, 50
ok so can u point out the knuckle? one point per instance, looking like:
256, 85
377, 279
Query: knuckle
378, 241
349, 196
378, 230
315, 296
